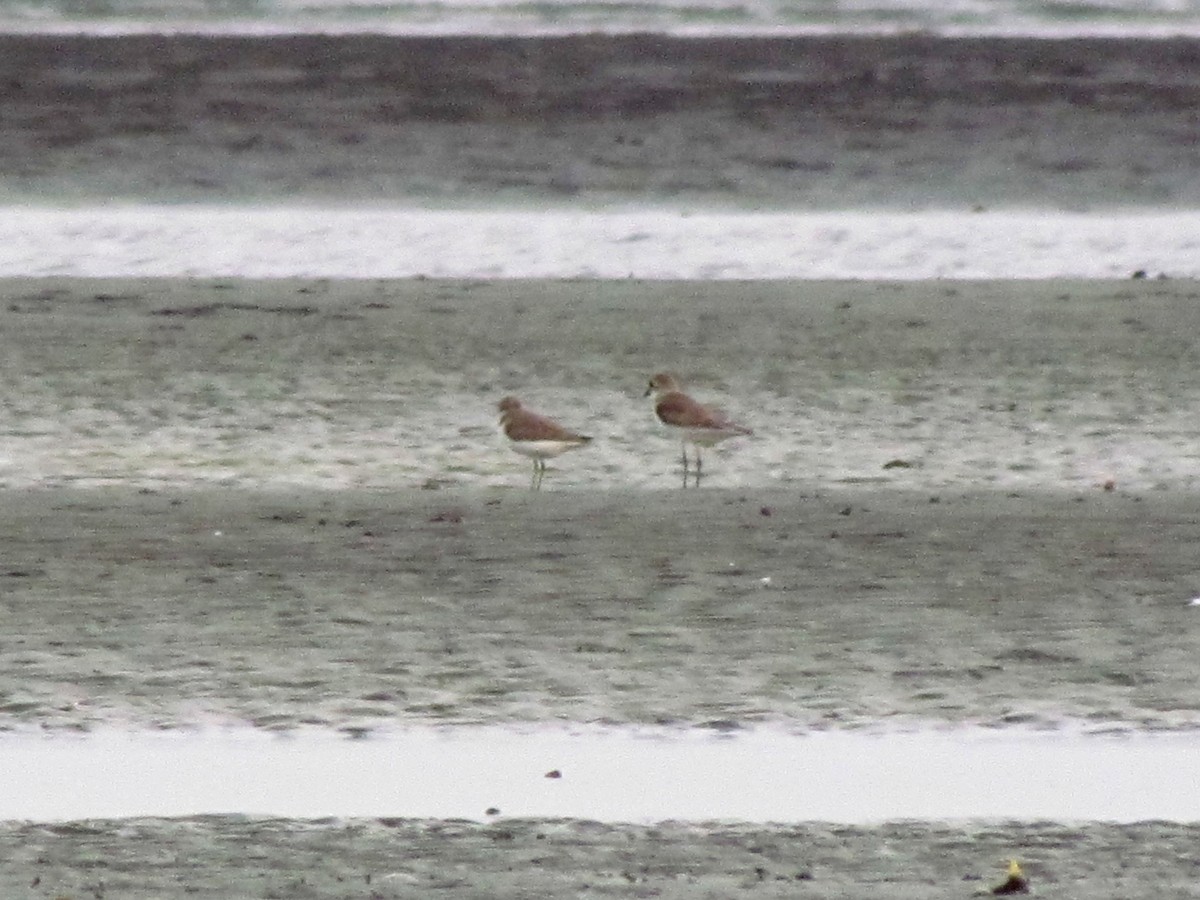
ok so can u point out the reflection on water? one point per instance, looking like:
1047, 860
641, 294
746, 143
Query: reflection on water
1035, 17
276, 242
633, 775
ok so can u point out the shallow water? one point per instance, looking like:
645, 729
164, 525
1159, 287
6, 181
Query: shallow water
365, 242
1038, 17
615, 775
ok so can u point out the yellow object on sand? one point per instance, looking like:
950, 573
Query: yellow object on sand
1016, 883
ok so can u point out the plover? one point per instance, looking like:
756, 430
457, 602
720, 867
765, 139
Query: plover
695, 423
536, 437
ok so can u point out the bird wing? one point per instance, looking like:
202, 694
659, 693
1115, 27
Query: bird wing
676, 408
529, 426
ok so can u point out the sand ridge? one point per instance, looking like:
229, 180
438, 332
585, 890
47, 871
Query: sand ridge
828, 122
386, 384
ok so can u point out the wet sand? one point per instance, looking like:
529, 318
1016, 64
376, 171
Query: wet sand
361, 610
392, 385
285, 504
825, 122
233, 856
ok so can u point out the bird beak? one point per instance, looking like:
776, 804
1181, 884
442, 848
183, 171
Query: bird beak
649, 390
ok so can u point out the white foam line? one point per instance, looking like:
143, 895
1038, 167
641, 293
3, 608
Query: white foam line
281, 242
505, 25
609, 775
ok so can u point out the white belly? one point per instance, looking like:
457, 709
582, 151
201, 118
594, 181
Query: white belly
542, 449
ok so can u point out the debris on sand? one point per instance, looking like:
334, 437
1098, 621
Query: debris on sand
1016, 883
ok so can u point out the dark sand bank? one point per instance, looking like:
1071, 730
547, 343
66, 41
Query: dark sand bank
822, 121
359, 610
237, 857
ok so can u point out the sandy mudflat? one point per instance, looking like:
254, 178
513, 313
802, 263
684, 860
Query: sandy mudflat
828, 122
284, 503
232, 857
392, 385
360, 610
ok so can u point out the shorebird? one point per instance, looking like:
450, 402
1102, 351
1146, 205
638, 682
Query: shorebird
695, 423
536, 436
